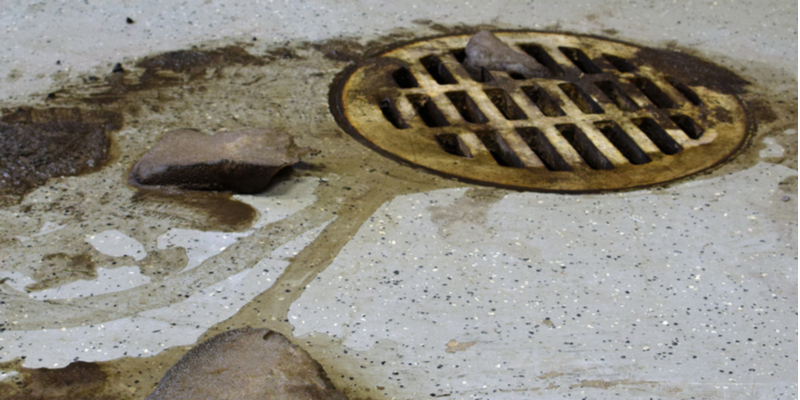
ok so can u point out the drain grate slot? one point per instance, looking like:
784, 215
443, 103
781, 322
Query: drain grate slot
543, 100
686, 91
499, 149
621, 64
438, 70
688, 126
587, 150
545, 150
579, 58
404, 78
617, 95
485, 76
623, 142
459, 54
654, 93
540, 55
467, 107
581, 99
392, 114
658, 136
505, 104
452, 143
478, 76
427, 111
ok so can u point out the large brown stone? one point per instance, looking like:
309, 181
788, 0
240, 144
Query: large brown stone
485, 50
246, 364
240, 161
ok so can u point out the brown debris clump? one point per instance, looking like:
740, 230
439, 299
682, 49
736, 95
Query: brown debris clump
485, 50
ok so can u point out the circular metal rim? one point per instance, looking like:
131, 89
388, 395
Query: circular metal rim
660, 171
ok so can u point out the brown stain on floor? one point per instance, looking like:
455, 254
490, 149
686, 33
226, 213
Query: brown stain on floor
455, 346
123, 378
601, 384
78, 380
60, 268
168, 69
218, 210
37, 144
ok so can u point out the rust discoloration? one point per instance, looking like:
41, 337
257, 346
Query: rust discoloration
193, 62
168, 69
454, 346
60, 268
221, 212
691, 70
78, 380
601, 384
551, 375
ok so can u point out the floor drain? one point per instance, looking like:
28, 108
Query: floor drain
603, 119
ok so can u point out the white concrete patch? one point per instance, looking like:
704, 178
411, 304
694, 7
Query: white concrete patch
17, 280
150, 332
144, 334
773, 149
541, 283
117, 244
107, 281
199, 245
282, 200
279, 202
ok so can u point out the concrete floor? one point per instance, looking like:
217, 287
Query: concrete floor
402, 284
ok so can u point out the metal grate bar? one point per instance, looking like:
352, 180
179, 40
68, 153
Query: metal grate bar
584, 146
505, 104
658, 136
404, 78
427, 111
654, 93
580, 98
453, 144
542, 57
617, 95
392, 114
542, 147
546, 104
579, 58
688, 125
621, 64
438, 70
686, 91
467, 107
623, 142
500, 150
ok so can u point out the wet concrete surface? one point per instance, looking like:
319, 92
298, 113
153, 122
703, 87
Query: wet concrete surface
402, 284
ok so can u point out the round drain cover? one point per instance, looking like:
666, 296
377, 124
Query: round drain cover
602, 119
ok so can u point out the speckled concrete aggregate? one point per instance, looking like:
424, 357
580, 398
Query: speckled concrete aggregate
657, 289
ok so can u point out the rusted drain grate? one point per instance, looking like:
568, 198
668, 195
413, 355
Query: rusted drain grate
603, 120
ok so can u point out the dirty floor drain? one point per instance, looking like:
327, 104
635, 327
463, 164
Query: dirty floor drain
604, 118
